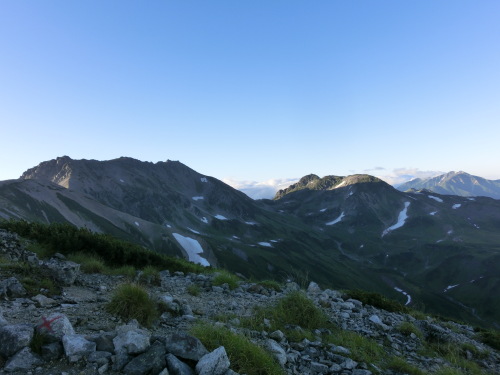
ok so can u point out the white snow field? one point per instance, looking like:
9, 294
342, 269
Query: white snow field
220, 217
203, 179
194, 231
433, 213
455, 206
192, 248
336, 220
250, 223
401, 220
205, 220
197, 198
136, 223
435, 198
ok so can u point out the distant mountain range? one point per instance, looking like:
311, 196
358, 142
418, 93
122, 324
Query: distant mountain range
456, 183
438, 252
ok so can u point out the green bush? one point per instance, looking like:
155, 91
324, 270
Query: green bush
193, 289
131, 301
150, 275
294, 309
88, 263
245, 356
491, 338
401, 366
407, 328
362, 348
270, 284
128, 271
377, 300
224, 277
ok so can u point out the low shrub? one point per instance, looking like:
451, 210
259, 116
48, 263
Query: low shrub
401, 366
294, 314
224, 277
407, 328
245, 356
150, 275
128, 271
131, 301
362, 348
491, 338
89, 263
270, 284
193, 289
377, 300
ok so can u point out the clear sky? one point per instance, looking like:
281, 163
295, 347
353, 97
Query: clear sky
253, 90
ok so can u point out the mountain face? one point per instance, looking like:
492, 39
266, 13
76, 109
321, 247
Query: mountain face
456, 183
437, 252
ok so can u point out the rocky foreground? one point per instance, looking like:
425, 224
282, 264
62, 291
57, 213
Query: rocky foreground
85, 339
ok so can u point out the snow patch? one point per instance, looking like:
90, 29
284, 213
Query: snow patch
168, 225
401, 220
236, 237
433, 213
197, 198
455, 206
408, 297
136, 223
362, 246
471, 199
220, 217
450, 287
343, 183
121, 180
435, 198
203, 179
205, 220
250, 223
265, 244
192, 248
194, 231
336, 220
322, 210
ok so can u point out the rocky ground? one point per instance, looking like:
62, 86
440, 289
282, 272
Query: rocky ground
86, 339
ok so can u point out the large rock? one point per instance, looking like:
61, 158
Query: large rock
77, 347
134, 341
23, 360
14, 337
214, 363
11, 288
277, 351
177, 367
63, 271
150, 362
185, 346
55, 326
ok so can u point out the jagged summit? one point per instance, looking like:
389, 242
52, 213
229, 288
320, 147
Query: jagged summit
314, 182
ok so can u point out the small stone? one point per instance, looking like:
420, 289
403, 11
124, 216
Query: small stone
185, 346
43, 301
23, 360
76, 347
277, 335
177, 367
214, 363
277, 351
135, 341
313, 288
14, 337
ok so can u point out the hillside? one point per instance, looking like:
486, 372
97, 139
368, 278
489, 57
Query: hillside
456, 183
210, 323
436, 252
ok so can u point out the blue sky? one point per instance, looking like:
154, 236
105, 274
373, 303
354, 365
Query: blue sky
253, 90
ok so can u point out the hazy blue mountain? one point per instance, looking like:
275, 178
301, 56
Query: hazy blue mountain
456, 183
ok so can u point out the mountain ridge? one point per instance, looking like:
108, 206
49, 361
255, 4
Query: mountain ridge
348, 231
456, 183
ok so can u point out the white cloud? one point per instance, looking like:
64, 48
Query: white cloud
402, 175
261, 190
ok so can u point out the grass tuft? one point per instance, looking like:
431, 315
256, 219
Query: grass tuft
245, 356
225, 277
407, 328
193, 289
401, 366
131, 301
362, 348
88, 263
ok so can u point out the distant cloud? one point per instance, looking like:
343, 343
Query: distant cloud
374, 169
402, 175
260, 190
